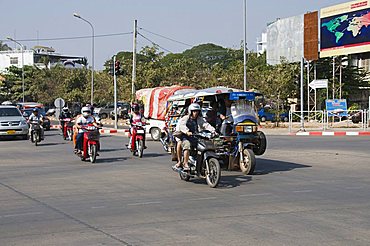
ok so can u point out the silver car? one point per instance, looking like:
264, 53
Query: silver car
12, 123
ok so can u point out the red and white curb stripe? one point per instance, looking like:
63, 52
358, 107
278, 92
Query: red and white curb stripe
102, 131
337, 134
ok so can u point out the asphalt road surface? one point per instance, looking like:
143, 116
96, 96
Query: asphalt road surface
306, 191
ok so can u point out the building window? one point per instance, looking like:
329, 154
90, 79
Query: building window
13, 60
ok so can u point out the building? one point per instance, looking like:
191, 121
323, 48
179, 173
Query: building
40, 57
262, 43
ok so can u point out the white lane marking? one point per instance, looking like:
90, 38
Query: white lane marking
260, 194
143, 203
98, 207
302, 191
21, 214
202, 199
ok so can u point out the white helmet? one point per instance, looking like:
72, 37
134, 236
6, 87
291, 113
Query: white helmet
65, 109
194, 107
86, 111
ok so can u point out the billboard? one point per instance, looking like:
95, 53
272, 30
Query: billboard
345, 29
285, 40
311, 36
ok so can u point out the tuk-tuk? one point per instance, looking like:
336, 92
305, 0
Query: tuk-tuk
239, 130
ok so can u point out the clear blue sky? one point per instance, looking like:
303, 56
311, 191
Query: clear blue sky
190, 21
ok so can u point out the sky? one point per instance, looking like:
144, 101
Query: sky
191, 22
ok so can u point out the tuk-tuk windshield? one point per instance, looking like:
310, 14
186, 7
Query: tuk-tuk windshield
241, 109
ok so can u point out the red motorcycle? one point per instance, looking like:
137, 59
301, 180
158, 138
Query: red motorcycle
137, 139
91, 143
68, 129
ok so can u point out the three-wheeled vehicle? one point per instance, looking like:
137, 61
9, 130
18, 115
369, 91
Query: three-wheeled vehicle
239, 129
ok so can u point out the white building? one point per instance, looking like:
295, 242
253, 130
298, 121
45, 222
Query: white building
262, 43
39, 56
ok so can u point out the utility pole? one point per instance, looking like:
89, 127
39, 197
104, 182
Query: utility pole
333, 77
134, 61
308, 89
340, 77
115, 92
245, 45
302, 98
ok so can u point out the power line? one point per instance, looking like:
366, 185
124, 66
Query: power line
173, 40
154, 43
72, 38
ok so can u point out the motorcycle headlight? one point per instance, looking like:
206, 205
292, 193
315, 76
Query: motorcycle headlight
248, 129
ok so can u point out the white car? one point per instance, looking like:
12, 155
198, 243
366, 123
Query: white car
12, 123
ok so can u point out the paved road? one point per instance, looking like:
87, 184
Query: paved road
306, 191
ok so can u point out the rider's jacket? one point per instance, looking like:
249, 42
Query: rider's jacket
135, 118
201, 124
65, 115
82, 121
34, 118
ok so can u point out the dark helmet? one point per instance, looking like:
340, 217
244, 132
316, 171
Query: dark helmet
35, 110
135, 107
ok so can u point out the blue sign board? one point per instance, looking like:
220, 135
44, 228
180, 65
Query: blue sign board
250, 96
337, 107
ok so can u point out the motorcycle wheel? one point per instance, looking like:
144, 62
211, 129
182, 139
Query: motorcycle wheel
69, 135
214, 175
35, 138
92, 153
260, 147
248, 164
184, 176
140, 148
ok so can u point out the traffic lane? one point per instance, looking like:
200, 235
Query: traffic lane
137, 207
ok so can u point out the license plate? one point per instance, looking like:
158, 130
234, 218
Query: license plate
140, 131
10, 132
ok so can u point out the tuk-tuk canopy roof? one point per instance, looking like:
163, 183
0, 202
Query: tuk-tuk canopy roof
186, 94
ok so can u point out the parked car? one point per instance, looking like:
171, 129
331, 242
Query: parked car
123, 111
104, 112
267, 114
12, 123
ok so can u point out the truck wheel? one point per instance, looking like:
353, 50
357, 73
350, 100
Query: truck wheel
263, 119
155, 133
104, 116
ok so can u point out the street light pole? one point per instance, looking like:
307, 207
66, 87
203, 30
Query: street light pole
92, 55
22, 49
245, 45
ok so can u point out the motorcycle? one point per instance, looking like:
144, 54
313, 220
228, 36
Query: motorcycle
243, 140
204, 160
35, 134
137, 139
91, 143
68, 129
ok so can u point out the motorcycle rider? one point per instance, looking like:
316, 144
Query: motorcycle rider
189, 125
39, 119
64, 115
83, 120
135, 117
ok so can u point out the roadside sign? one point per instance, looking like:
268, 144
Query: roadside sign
250, 96
59, 103
337, 107
319, 84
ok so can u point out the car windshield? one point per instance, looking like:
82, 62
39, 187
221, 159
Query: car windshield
9, 112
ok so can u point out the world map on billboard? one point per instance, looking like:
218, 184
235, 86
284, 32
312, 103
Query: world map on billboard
346, 30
